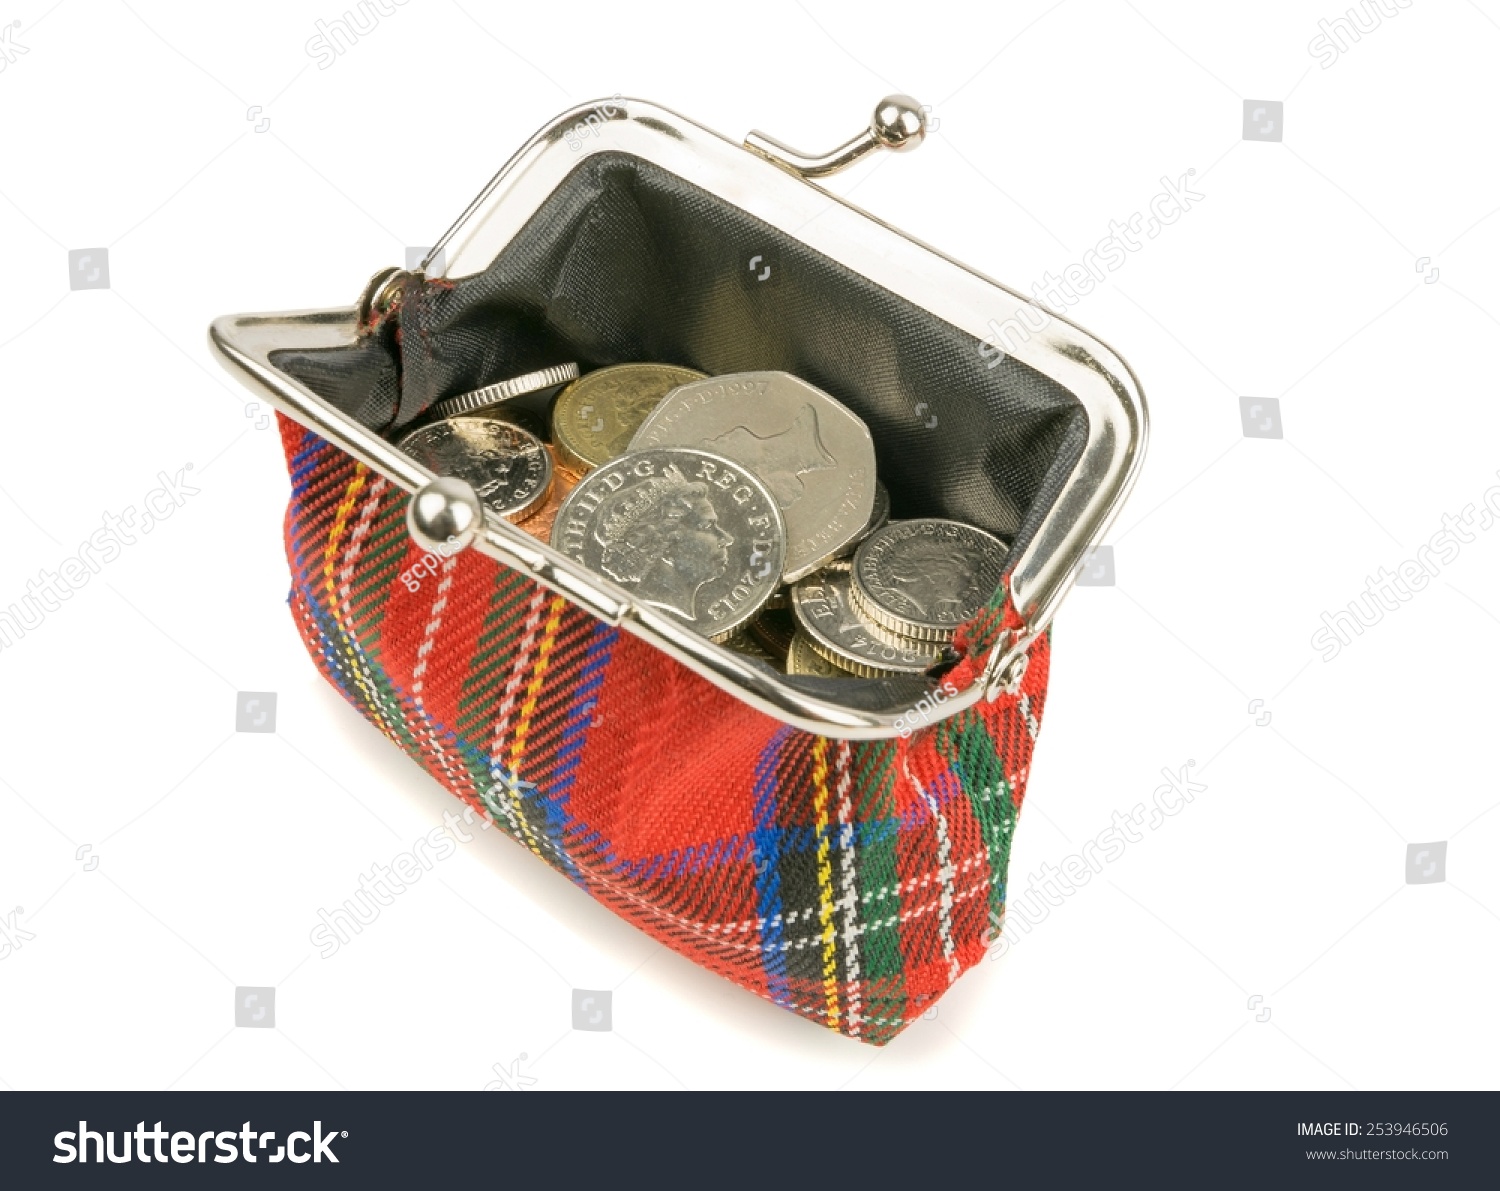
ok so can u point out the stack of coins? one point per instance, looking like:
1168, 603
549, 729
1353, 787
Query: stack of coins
744, 506
896, 605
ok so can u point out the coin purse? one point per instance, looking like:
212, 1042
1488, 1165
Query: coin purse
836, 846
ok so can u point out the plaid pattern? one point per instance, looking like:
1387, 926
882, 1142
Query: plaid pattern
850, 882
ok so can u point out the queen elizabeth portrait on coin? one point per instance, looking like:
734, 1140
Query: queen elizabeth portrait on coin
664, 535
687, 531
924, 577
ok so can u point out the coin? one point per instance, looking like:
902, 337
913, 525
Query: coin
686, 531
837, 632
774, 629
539, 524
528, 420
742, 642
924, 577
879, 515
507, 466
595, 416
531, 382
802, 658
882, 510
814, 454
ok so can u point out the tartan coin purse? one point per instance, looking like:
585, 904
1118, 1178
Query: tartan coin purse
837, 846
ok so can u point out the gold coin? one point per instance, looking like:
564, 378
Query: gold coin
743, 642
596, 416
802, 658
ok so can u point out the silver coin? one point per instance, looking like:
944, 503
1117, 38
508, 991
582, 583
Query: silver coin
814, 454
686, 531
510, 468
531, 382
879, 515
925, 577
836, 631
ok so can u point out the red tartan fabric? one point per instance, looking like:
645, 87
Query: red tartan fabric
850, 882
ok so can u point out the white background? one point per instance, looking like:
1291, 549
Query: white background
1296, 278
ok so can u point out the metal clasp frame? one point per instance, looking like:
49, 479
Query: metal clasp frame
773, 183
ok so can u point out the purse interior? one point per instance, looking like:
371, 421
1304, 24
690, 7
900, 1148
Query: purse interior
628, 262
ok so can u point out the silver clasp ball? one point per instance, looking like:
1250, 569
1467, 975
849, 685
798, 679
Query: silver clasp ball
899, 123
444, 515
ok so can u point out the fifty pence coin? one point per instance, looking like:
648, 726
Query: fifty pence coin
879, 515
595, 416
837, 632
814, 454
685, 531
925, 577
504, 390
508, 467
